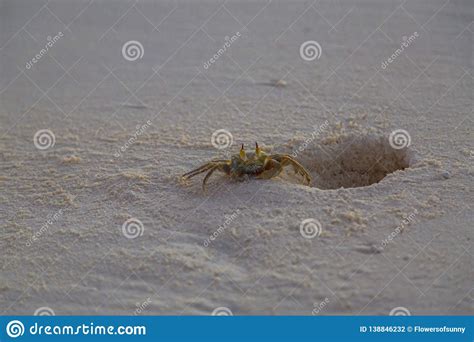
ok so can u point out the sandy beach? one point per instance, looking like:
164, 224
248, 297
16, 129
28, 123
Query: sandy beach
105, 104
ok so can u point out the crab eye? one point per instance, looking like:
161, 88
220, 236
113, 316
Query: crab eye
257, 149
242, 153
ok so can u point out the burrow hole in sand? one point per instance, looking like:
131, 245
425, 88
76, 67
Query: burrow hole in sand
352, 161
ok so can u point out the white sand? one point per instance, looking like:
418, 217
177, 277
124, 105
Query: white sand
258, 263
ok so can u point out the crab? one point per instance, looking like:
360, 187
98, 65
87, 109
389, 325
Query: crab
258, 165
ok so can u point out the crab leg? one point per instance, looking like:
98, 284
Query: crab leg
209, 174
272, 169
204, 168
285, 159
199, 170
